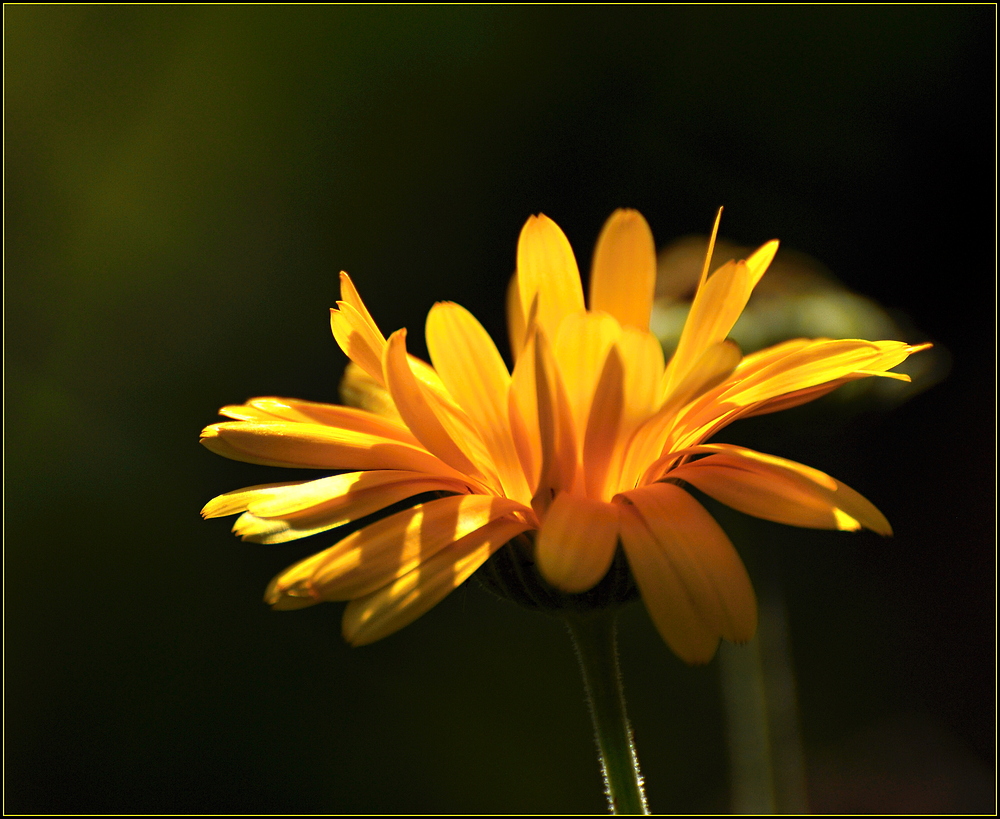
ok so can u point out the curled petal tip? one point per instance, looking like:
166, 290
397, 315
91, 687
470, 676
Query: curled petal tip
208, 434
296, 596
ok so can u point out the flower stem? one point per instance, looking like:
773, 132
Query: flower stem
750, 770
595, 641
767, 766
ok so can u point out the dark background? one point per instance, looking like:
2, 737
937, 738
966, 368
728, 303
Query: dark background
183, 184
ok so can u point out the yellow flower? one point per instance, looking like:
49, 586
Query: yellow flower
588, 444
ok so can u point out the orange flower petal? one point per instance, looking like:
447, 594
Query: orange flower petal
623, 273
270, 410
452, 415
314, 446
649, 440
795, 399
760, 260
359, 338
601, 439
237, 501
812, 364
547, 271
349, 295
718, 361
325, 504
358, 389
342, 492
377, 615
556, 432
577, 542
517, 323
580, 349
523, 413
692, 582
642, 355
373, 557
471, 368
416, 405
784, 376
716, 307
777, 489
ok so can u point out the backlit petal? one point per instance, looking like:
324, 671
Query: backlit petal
716, 307
642, 355
580, 349
795, 399
331, 502
760, 260
417, 408
471, 368
237, 501
577, 542
452, 415
693, 583
313, 446
355, 329
717, 363
343, 492
358, 337
785, 376
547, 271
349, 294
270, 410
556, 431
523, 409
601, 441
780, 490
649, 440
813, 364
516, 318
398, 604
270, 530
372, 557
358, 389
623, 273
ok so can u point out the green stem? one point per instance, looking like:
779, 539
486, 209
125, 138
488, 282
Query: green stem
766, 759
596, 646
750, 754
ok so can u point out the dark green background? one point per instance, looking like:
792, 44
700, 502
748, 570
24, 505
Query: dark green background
183, 184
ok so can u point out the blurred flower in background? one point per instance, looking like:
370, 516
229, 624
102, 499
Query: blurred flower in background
799, 297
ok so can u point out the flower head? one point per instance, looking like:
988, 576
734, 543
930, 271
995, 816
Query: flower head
588, 443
